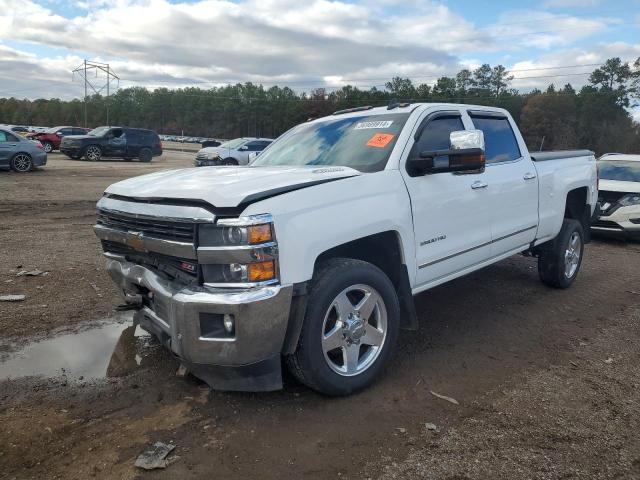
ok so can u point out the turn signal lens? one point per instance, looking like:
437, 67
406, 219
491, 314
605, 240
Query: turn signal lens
260, 272
260, 233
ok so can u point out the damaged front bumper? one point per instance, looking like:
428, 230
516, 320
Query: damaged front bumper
189, 321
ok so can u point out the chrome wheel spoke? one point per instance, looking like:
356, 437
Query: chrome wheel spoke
373, 336
366, 306
351, 355
334, 339
343, 305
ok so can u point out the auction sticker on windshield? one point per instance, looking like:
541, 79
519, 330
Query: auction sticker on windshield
366, 125
380, 140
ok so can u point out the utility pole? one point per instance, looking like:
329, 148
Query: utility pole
96, 86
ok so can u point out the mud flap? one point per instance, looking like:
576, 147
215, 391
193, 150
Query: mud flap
264, 376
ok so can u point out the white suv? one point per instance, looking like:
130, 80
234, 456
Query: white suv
619, 195
233, 152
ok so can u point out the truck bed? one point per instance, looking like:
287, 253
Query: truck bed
558, 154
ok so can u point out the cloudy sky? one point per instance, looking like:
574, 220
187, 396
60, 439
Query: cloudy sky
306, 44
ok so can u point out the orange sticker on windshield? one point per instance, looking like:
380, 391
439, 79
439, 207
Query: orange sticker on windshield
380, 140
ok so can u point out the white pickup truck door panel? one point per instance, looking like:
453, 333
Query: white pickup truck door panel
451, 212
512, 183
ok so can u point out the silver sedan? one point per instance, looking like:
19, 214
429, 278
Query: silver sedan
20, 154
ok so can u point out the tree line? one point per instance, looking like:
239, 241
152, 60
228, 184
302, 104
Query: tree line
596, 116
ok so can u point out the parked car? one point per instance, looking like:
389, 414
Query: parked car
20, 154
210, 143
113, 142
312, 253
52, 137
233, 152
619, 196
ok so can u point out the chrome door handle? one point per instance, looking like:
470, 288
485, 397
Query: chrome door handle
478, 184
529, 176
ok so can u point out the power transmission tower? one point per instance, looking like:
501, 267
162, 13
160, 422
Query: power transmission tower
98, 85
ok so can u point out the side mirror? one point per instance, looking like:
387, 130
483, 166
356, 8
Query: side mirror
59, 134
466, 154
243, 148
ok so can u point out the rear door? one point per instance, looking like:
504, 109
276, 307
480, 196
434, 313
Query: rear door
8, 144
512, 183
451, 212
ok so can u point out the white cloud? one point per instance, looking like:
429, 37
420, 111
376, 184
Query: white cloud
571, 3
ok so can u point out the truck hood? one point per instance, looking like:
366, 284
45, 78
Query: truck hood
618, 186
227, 186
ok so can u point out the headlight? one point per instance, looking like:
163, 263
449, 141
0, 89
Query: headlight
230, 232
631, 199
238, 251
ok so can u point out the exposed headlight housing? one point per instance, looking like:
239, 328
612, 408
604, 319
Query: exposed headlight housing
252, 230
239, 251
631, 199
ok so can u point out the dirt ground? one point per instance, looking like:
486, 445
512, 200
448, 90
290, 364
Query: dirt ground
547, 382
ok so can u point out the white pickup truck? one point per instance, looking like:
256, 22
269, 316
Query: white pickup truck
312, 253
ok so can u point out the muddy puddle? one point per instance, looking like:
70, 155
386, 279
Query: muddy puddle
113, 348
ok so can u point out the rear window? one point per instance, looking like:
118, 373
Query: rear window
619, 170
500, 141
361, 142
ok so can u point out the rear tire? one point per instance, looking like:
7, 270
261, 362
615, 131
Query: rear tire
559, 264
350, 328
21, 163
92, 153
145, 155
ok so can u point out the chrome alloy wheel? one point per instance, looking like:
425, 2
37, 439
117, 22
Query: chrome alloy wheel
572, 255
22, 162
93, 153
47, 147
354, 330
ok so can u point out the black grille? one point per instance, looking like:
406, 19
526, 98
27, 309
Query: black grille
166, 230
610, 198
606, 224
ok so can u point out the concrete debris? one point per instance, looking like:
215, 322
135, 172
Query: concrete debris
155, 456
609, 360
432, 427
31, 273
182, 371
444, 397
12, 298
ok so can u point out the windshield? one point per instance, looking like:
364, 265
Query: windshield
620, 170
363, 142
98, 132
52, 130
235, 143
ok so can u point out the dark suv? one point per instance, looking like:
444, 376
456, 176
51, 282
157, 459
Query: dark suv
113, 142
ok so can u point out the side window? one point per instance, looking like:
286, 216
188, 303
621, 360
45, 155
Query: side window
7, 137
500, 141
116, 132
254, 146
65, 131
435, 135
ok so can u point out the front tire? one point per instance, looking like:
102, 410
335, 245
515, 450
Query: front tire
229, 161
21, 163
48, 147
559, 264
350, 328
92, 153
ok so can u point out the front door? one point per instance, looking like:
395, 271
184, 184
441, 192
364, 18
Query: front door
116, 143
451, 214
